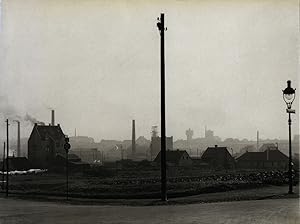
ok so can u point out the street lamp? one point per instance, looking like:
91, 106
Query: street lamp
289, 97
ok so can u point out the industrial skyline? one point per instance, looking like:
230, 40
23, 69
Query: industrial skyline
122, 103
88, 62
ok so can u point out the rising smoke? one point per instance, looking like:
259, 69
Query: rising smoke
32, 120
8, 111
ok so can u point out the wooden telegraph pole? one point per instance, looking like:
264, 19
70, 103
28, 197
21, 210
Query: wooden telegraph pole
161, 28
7, 155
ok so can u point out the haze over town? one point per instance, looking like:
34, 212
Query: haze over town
83, 98
97, 64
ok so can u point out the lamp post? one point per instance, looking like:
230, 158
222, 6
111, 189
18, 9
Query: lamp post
289, 97
67, 147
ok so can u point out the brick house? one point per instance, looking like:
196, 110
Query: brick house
176, 158
218, 158
44, 143
268, 159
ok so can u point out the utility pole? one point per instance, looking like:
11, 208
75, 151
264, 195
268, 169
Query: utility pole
161, 28
7, 155
3, 166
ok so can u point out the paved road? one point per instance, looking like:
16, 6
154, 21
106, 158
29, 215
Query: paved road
263, 211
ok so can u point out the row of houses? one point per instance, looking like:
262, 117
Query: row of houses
219, 158
45, 149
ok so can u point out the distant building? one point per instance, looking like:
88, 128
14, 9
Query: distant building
176, 158
296, 138
82, 142
270, 146
74, 163
142, 152
109, 144
156, 143
274, 159
210, 137
248, 148
218, 158
189, 136
142, 141
87, 155
44, 143
209, 134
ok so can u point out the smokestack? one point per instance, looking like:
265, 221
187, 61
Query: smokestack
19, 141
257, 140
52, 118
133, 138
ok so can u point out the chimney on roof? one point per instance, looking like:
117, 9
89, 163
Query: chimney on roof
52, 117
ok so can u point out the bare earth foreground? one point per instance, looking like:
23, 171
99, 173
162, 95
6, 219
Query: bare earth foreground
257, 211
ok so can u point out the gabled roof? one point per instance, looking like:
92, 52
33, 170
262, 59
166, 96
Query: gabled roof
53, 132
272, 155
172, 156
252, 156
214, 152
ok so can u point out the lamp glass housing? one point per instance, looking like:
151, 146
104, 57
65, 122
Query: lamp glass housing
289, 95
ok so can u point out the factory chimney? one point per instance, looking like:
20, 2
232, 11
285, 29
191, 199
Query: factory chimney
257, 140
133, 138
52, 117
18, 139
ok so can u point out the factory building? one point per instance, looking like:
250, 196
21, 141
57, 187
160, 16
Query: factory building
44, 143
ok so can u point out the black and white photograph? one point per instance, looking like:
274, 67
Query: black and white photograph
170, 111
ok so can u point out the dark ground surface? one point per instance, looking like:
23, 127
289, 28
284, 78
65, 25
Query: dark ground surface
141, 185
269, 211
267, 192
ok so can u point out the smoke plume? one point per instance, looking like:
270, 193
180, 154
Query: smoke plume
33, 120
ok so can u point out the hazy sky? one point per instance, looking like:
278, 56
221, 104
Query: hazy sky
97, 64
